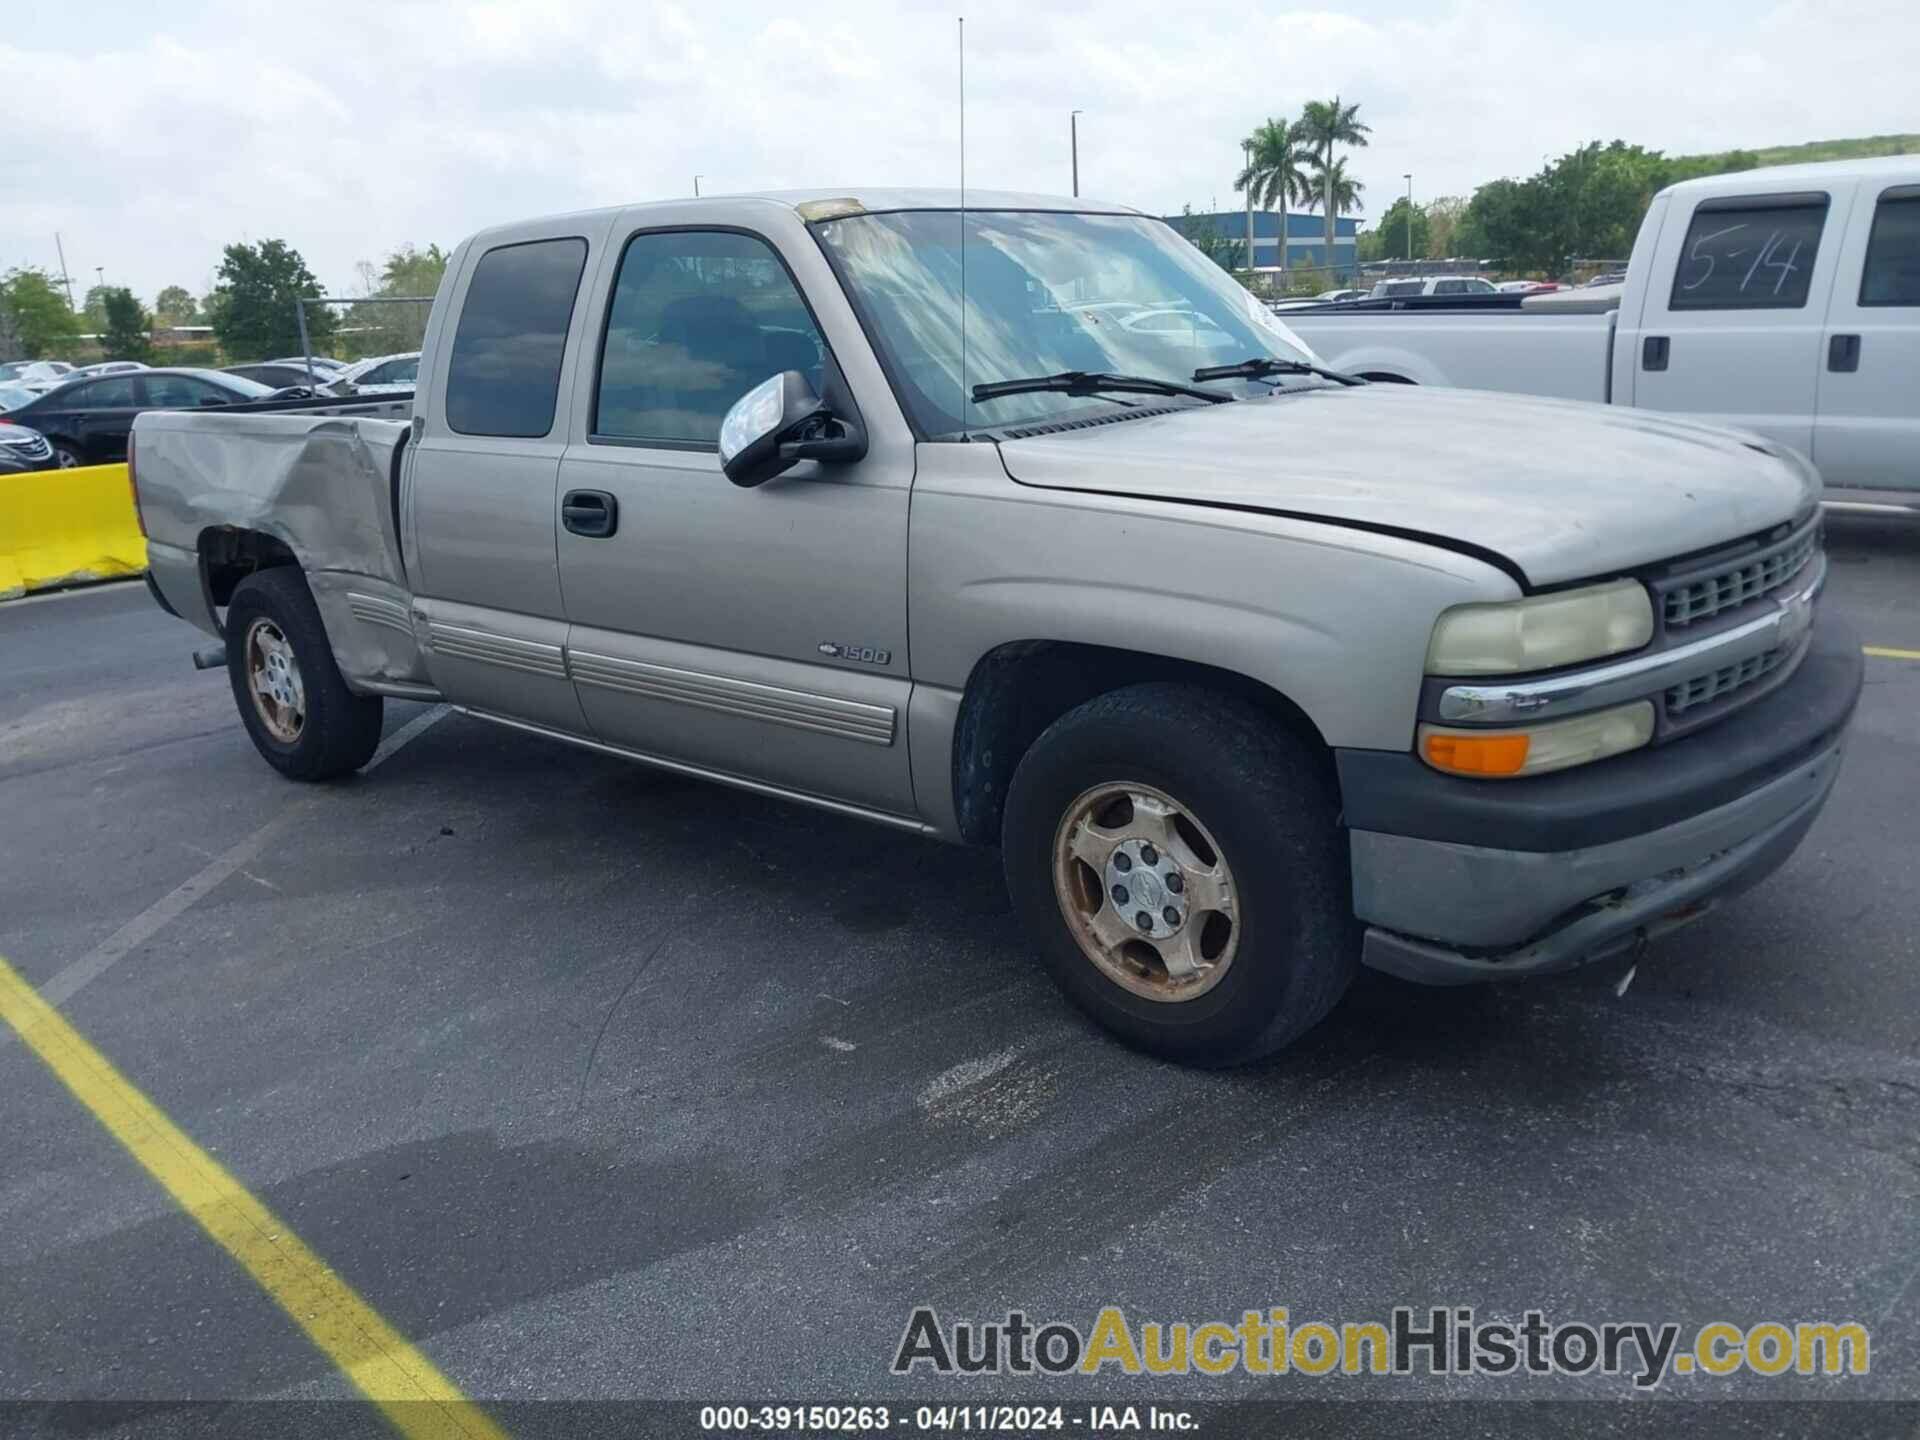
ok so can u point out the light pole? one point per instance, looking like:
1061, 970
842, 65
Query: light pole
1246, 148
1073, 129
1408, 177
696, 187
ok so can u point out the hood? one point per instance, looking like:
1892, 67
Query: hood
1560, 490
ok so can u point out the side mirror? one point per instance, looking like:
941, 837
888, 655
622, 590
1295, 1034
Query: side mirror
777, 424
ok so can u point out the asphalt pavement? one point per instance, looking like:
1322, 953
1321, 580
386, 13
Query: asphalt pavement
600, 1085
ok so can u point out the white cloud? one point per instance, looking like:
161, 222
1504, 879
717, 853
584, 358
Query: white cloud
352, 127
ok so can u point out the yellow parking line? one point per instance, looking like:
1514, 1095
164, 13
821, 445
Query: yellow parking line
420, 1402
1886, 652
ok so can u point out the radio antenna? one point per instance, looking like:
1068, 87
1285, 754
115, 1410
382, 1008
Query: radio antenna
966, 395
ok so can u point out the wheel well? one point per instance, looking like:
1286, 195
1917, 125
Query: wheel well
1385, 377
228, 556
1016, 691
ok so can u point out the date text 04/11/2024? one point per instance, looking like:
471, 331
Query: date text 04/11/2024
963, 1419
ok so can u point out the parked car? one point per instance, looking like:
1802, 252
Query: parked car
1783, 301
1431, 285
23, 450
38, 376
1254, 674
1526, 287
280, 375
323, 365
88, 421
106, 367
378, 374
1612, 277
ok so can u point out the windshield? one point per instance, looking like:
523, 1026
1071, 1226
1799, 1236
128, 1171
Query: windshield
1046, 292
12, 397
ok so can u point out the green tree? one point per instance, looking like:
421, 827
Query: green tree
93, 309
1390, 233
252, 308
407, 273
128, 333
175, 305
1325, 124
1443, 226
1275, 175
36, 322
1205, 237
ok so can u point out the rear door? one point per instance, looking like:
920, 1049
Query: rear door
1868, 430
1731, 330
480, 494
760, 633
102, 418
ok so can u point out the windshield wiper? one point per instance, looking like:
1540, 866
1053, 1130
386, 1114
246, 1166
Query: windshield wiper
1093, 382
1262, 366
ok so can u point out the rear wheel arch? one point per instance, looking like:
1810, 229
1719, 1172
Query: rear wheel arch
228, 554
1017, 690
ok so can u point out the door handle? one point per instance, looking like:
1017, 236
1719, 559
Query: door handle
1653, 352
592, 513
1843, 354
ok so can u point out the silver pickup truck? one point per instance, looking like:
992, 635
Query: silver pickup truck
1022, 525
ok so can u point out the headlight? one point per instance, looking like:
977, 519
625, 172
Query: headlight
1536, 749
1543, 632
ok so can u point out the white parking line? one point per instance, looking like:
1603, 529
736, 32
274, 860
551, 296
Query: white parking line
66, 982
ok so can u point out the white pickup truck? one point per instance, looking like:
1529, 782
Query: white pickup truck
1785, 301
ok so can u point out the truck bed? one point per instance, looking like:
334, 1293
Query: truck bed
1512, 349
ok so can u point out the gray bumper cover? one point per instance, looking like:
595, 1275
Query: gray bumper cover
1507, 914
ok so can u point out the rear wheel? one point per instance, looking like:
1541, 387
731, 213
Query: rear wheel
1178, 855
66, 457
303, 719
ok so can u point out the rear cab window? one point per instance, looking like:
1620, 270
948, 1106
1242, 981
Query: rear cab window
1750, 253
503, 377
1891, 275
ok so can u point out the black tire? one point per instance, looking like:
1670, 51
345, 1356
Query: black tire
65, 457
1267, 799
340, 730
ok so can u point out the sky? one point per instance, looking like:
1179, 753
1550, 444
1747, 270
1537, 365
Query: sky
150, 136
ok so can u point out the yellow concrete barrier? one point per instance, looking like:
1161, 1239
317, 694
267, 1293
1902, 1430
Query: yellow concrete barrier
60, 526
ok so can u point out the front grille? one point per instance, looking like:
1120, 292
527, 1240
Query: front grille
1701, 597
1716, 684
33, 448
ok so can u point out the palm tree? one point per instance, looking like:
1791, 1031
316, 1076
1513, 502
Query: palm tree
1327, 123
1342, 187
1276, 174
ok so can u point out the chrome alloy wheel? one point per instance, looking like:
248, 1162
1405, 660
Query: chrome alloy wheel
273, 679
1146, 891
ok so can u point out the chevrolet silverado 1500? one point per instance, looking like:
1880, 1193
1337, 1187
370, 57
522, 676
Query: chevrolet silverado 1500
1784, 301
866, 501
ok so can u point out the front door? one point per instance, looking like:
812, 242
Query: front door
1734, 335
104, 412
481, 485
761, 633
1868, 430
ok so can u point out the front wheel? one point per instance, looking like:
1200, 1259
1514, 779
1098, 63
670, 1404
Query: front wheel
65, 457
1179, 856
303, 719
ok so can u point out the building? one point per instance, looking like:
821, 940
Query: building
1306, 236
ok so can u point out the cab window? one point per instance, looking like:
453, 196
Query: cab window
1892, 272
1750, 253
503, 377
697, 319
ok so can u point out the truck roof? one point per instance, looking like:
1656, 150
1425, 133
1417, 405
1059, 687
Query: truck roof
857, 198
1899, 168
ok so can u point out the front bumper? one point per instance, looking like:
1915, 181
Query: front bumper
1464, 880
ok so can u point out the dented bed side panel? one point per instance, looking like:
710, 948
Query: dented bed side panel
320, 485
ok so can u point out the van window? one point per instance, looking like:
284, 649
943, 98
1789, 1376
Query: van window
698, 318
1891, 275
1750, 254
504, 376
